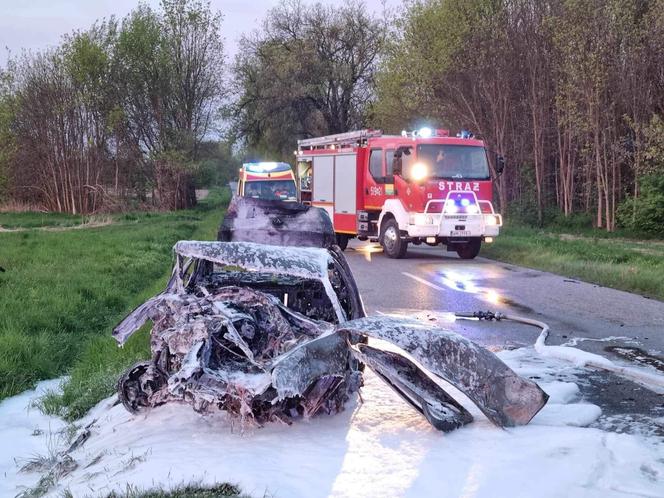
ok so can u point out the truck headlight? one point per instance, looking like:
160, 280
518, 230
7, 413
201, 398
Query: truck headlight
419, 172
491, 220
420, 219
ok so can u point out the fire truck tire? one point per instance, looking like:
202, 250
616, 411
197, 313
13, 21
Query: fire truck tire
470, 249
342, 240
393, 245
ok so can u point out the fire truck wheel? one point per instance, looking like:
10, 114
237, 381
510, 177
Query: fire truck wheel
393, 245
470, 249
342, 241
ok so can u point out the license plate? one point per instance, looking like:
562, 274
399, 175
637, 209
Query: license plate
459, 233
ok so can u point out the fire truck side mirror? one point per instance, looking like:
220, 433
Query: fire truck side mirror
500, 164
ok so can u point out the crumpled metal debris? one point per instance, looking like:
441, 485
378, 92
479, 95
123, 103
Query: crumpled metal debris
272, 333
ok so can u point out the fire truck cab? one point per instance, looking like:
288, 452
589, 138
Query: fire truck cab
267, 180
417, 187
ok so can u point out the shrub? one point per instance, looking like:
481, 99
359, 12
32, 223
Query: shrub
645, 213
574, 221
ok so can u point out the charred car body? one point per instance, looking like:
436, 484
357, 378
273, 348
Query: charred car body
275, 333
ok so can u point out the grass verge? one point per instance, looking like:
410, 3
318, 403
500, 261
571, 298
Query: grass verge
35, 219
63, 291
192, 491
626, 264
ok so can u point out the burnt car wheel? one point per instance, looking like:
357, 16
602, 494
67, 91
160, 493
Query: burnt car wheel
137, 385
393, 245
470, 249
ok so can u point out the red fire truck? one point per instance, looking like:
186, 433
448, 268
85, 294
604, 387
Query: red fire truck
417, 187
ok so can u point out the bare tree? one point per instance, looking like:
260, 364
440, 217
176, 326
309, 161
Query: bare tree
60, 125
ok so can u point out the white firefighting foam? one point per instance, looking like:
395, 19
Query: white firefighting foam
380, 447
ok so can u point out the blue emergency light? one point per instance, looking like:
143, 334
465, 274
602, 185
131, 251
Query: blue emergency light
461, 203
266, 167
425, 132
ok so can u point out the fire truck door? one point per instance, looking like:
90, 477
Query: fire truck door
375, 181
345, 193
345, 171
323, 184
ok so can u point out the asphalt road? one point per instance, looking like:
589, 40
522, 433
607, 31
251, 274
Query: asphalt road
435, 283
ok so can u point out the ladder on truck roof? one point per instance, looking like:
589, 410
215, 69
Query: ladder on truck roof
350, 138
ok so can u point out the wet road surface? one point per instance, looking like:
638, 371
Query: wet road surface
433, 283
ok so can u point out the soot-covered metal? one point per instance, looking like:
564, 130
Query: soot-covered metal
277, 333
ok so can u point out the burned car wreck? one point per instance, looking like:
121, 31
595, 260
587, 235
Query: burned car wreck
276, 333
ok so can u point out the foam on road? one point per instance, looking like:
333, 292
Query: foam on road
379, 447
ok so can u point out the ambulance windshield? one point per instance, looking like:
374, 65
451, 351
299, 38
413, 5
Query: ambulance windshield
271, 189
454, 161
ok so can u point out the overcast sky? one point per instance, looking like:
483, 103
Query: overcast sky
37, 24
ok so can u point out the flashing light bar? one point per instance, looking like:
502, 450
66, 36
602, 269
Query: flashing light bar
465, 134
461, 203
265, 167
425, 132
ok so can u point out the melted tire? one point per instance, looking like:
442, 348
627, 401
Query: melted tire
137, 384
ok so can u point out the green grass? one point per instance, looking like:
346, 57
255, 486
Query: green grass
61, 221
34, 219
590, 255
192, 491
63, 291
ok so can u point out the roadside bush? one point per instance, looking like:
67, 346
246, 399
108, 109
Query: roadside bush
207, 174
645, 214
552, 218
574, 222
521, 213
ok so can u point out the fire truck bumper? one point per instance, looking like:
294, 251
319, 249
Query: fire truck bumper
422, 225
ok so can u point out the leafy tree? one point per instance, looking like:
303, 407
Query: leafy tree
115, 112
170, 84
309, 71
645, 212
564, 89
453, 62
218, 164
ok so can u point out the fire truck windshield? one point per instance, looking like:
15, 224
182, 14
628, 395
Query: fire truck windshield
454, 161
271, 189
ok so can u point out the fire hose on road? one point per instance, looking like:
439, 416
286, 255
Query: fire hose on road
574, 355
